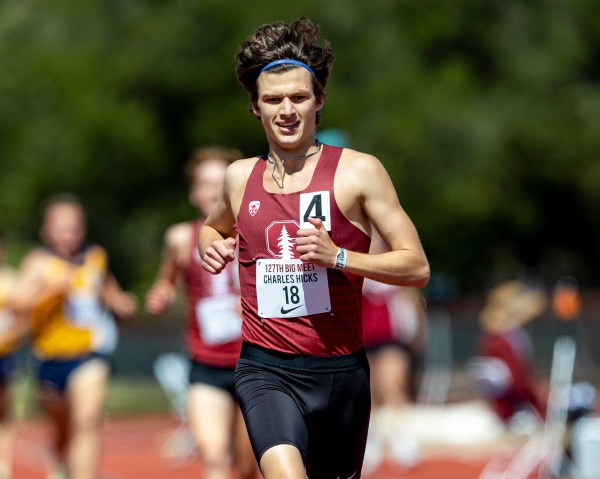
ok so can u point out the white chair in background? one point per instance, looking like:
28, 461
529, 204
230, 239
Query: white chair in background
437, 374
172, 372
544, 450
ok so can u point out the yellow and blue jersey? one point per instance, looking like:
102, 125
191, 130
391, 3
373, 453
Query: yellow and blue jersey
74, 323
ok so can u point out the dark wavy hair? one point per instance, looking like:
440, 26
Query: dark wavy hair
300, 41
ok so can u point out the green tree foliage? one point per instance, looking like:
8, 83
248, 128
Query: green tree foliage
484, 112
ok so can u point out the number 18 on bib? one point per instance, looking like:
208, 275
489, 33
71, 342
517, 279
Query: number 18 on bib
290, 288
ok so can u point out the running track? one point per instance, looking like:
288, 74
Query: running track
133, 450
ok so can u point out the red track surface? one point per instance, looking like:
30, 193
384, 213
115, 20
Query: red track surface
132, 450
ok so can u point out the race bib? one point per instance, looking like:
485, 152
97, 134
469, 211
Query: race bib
219, 318
84, 309
316, 205
288, 288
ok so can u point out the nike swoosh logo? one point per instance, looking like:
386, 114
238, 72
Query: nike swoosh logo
286, 311
355, 472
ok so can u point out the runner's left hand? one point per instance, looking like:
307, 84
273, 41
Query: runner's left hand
315, 246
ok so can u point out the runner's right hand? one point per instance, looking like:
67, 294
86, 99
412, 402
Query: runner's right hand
218, 254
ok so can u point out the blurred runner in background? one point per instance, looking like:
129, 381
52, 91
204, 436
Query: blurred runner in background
213, 333
66, 293
11, 332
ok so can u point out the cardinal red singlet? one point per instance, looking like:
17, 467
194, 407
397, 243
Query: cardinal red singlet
288, 305
213, 333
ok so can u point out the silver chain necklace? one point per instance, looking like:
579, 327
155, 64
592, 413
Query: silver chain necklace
279, 178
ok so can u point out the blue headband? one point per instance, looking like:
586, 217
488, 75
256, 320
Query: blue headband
287, 61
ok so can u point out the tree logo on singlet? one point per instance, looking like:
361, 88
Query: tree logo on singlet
253, 207
279, 242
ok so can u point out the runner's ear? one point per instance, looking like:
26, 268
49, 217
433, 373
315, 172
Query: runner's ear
255, 110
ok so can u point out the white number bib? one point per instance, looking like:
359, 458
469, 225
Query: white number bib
85, 309
317, 205
288, 288
219, 318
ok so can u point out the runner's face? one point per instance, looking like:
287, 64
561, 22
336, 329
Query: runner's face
64, 228
287, 108
207, 184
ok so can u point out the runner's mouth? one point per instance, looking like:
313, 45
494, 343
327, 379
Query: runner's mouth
289, 126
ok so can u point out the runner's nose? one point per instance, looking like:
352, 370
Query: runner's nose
287, 107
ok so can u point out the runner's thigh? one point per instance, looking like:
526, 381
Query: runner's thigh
271, 415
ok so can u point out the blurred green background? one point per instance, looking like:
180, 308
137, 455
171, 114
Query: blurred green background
486, 114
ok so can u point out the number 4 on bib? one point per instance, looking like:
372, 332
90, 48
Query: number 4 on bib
316, 205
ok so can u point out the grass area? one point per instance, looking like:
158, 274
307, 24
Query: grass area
126, 395
131, 395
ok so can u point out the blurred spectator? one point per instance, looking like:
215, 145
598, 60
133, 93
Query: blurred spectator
65, 291
11, 332
393, 331
566, 301
503, 367
213, 334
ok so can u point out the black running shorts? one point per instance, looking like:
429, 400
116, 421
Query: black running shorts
320, 407
219, 377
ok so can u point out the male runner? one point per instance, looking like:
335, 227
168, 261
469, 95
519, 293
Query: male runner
302, 214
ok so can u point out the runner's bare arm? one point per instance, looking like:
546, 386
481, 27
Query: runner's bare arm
176, 244
216, 241
32, 288
374, 201
123, 303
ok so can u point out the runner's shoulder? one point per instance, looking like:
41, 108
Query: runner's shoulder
238, 172
355, 166
243, 165
179, 234
358, 159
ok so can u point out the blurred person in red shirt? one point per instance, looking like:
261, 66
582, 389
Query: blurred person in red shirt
213, 333
504, 366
